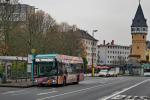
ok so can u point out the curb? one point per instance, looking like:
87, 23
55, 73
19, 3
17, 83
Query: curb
15, 86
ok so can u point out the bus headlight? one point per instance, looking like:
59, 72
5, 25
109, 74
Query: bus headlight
53, 81
35, 81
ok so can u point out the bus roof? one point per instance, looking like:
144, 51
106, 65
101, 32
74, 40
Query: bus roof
60, 57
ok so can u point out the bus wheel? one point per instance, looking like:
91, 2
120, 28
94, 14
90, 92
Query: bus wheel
64, 81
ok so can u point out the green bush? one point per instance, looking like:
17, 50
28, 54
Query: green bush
18, 68
1, 70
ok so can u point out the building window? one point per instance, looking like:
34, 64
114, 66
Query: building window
138, 29
143, 37
132, 29
138, 47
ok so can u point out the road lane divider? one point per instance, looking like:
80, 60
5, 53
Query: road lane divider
47, 93
124, 90
11, 92
21, 93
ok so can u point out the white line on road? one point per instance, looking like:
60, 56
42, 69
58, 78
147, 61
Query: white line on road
124, 90
21, 93
47, 93
77, 91
10, 92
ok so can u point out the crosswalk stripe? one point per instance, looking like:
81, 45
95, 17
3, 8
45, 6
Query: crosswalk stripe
130, 97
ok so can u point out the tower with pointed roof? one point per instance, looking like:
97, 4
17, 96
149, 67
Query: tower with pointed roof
139, 31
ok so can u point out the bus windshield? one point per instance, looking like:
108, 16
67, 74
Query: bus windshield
46, 69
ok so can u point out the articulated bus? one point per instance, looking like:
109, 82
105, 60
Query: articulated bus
56, 69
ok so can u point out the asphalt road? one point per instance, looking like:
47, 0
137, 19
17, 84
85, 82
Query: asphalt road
112, 88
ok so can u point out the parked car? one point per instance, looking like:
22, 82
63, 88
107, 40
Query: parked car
112, 73
147, 74
103, 73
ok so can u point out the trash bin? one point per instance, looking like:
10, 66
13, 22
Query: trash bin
3, 80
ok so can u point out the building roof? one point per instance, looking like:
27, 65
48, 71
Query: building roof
106, 45
86, 35
139, 19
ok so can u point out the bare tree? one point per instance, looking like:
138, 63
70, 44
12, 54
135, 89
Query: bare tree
119, 61
9, 17
37, 25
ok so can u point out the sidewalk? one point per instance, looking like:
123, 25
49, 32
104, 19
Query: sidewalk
19, 84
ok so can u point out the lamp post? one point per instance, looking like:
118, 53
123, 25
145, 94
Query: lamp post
93, 51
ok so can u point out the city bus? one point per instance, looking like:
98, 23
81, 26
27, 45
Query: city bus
56, 69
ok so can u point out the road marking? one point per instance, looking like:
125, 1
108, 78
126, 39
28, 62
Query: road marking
130, 97
10, 92
124, 90
22, 93
47, 93
77, 91
102, 80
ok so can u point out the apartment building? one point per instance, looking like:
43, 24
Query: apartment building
112, 54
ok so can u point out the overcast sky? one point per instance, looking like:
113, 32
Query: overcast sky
112, 18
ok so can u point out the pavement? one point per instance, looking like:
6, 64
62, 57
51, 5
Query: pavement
22, 83
92, 88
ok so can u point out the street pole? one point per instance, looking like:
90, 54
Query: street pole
33, 51
93, 69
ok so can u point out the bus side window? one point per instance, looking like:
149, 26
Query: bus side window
60, 72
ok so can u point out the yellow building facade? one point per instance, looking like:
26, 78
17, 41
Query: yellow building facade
148, 55
139, 45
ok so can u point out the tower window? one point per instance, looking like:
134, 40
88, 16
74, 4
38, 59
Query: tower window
144, 29
138, 29
132, 29
143, 37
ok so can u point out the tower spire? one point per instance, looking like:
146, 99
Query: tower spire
139, 1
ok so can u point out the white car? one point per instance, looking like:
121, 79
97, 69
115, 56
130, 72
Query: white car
112, 73
147, 74
103, 73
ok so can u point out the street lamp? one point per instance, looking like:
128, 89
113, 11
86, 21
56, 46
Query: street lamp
93, 51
